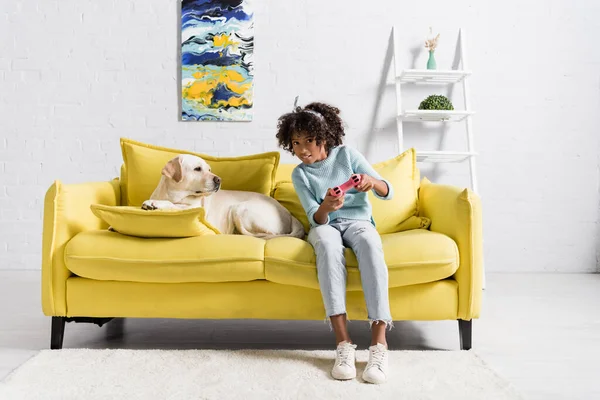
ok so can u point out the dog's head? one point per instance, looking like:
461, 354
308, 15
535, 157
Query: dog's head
188, 173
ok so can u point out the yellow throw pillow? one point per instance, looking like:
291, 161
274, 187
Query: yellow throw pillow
395, 215
414, 222
144, 163
134, 221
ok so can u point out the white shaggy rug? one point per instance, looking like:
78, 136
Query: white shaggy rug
246, 374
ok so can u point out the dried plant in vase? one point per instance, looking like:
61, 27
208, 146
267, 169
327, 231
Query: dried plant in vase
431, 44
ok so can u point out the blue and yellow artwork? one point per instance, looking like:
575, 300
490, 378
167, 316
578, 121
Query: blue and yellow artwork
217, 60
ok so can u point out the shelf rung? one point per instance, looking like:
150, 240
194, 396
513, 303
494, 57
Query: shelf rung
444, 156
432, 76
434, 115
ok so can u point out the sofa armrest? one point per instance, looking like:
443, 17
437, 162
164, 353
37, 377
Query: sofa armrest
66, 213
457, 213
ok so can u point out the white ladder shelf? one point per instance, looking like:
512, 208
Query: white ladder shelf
437, 77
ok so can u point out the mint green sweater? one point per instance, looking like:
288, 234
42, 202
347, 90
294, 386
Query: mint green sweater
311, 182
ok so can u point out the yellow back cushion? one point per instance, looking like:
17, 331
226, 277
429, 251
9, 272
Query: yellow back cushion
134, 221
286, 195
144, 163
395, 215
401, 171
284, 172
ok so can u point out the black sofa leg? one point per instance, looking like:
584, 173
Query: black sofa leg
58, 332
58, 328
465, 330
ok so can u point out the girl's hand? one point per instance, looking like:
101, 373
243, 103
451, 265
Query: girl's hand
332, 203
366, 183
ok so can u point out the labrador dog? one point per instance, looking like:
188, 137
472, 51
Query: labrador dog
188, 182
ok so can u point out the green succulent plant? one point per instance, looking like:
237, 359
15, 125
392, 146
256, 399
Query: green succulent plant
436, 102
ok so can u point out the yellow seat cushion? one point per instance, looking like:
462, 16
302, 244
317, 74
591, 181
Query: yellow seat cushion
110, 256
155, 223
144, 163
395, 215
412, 257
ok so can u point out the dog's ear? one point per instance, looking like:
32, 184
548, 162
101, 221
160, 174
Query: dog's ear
173, 169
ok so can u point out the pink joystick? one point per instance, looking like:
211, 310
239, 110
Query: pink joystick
349, 184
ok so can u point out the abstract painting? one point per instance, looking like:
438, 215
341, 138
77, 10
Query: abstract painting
217, 60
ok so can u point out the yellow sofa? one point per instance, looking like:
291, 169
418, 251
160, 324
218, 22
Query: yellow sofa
90, 274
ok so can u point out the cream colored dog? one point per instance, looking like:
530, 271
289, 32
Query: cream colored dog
187, 182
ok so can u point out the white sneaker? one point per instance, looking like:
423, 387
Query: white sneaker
377, 367
344, 367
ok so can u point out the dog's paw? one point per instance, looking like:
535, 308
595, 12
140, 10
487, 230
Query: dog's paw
149, 205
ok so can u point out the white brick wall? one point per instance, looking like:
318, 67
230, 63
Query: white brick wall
75, 75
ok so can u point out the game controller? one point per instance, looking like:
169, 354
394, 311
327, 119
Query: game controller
349, 184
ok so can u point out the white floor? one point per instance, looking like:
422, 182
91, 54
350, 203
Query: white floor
539, 331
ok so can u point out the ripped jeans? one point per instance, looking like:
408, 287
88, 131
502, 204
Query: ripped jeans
361, 236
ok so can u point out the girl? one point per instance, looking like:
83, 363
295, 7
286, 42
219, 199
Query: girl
314, 134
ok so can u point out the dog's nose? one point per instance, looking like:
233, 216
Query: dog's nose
217, 180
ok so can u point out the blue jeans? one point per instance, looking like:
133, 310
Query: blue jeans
361, 236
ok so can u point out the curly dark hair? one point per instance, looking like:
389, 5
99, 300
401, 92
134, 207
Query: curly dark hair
328, 130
